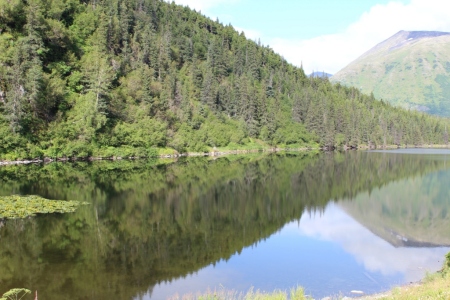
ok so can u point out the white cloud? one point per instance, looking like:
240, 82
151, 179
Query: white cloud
203, 5
330, 53
249, 33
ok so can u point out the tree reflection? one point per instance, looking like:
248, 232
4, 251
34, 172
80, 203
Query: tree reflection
154, 221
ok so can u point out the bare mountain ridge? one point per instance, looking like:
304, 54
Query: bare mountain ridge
403, 38
410, 69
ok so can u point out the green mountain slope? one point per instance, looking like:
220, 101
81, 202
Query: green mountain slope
411, 69
123, 77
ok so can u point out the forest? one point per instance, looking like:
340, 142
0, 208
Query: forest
81, 78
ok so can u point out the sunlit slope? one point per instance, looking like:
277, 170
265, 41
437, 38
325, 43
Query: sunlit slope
411, 69
414, 212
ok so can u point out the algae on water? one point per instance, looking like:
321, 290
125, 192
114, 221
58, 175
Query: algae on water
18, 207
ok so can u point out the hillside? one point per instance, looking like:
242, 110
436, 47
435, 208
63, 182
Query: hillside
410, 69
132, 77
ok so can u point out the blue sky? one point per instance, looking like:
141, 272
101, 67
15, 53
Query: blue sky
289, 19
325, 35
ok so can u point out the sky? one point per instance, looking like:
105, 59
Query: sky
324, 35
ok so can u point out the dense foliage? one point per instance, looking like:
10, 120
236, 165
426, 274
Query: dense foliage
123, 77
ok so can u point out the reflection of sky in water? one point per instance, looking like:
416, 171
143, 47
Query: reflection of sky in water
429, 153
374, 253
327, 254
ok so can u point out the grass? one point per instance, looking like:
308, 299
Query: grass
434, 287
293, 294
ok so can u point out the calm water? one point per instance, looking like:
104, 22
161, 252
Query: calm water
331, 223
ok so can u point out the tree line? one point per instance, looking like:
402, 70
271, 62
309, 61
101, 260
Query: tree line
125, 77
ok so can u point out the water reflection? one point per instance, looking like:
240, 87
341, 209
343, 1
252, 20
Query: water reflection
157, 227
329, 253
370, 250
412, 212
438, 153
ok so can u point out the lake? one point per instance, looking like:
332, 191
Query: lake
155, 229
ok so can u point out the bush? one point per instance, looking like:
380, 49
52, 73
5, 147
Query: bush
77, 149
52, 151
105, 152
293, 133
17, 154
152, 152
10, 142
34, 152
145, 132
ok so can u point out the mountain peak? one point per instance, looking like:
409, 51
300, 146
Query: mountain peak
410, 69
425, 34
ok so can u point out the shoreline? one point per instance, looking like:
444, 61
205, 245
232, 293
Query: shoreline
217, 153
214, 153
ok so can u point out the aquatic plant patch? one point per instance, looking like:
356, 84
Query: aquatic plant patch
15, 294
19, 207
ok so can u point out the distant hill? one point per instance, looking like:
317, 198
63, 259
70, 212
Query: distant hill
411, 69
320, 74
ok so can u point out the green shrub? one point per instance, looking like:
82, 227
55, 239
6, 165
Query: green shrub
16, 154
52, 151
152, 152
77, 149
105, 152
34, 151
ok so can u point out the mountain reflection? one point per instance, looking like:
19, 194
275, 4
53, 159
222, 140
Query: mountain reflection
413, 212
374, 253
155, 221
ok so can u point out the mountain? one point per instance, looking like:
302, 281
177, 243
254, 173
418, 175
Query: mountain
320, 74
139, 78
410, 69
